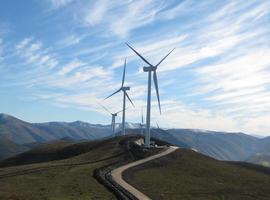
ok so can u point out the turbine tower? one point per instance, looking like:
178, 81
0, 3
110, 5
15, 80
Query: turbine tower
124, 89
142, 125
114, 115
150, 68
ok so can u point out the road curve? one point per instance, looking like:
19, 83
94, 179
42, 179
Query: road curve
117, 173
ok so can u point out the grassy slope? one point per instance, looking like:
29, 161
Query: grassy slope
69, 178
260, 159
9, 148
188, 175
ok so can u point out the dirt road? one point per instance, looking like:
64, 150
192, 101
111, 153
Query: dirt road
117, 173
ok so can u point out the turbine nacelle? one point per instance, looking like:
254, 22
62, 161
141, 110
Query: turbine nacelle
149, 68
125, 88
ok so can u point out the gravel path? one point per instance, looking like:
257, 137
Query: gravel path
117, 173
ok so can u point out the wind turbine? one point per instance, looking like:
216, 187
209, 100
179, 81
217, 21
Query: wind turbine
142, 125
124, 89
157, 126
114, 115
150, 68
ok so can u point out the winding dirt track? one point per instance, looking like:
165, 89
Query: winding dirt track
117, 173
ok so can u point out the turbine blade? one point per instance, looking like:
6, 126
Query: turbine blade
129, 99
164, 57
124, 74
121, 110
156, 87
139, 55
157, 125
105, 108
113, 94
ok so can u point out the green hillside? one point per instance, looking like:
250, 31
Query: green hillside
65, 179
260, 159
187, 175
63, 170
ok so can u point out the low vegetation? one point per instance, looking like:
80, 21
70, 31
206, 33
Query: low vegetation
66, 177
188, 175
63, 170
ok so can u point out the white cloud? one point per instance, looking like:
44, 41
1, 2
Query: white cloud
259, 125
136, 14
119, 17
71, 40
34, 53
247, 71
60, 3
71, 66
97, 12
24, 42
93, 72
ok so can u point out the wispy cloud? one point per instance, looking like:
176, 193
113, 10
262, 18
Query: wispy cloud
35, 54
59, 3
71, 40
71, 66
97, 12
120, 18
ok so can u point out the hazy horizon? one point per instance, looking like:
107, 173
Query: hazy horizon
152, 125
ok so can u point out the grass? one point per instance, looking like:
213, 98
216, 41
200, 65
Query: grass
52, 173
188, 175
63, 171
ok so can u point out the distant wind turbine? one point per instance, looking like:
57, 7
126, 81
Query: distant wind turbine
157, 126
114, 115
124, 89
150, 68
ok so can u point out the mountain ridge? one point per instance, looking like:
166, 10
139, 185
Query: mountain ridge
220, 145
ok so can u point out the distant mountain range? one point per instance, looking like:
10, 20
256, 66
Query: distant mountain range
22, 132
17, 136
221, 145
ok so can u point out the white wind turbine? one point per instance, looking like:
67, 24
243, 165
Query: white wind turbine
114, 115
142, 125
150, 68
124, 89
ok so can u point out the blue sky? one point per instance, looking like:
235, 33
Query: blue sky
58, 58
